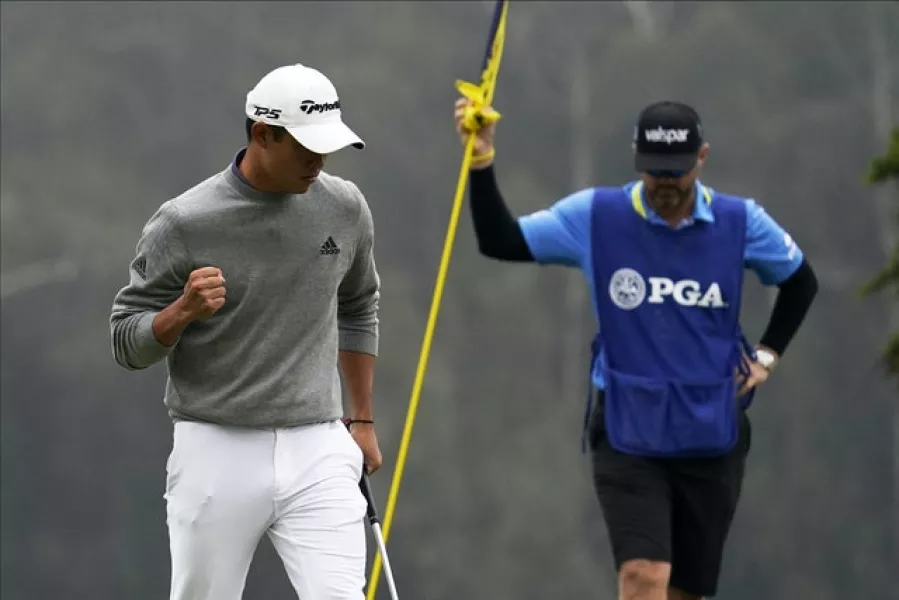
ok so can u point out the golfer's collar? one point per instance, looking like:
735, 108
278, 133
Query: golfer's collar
234, 176
235, 166
702, 210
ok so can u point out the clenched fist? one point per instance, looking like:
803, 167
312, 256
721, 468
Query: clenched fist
204, 293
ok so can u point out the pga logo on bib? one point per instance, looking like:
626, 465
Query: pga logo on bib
628, 290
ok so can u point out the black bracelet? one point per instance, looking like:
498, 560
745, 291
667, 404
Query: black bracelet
351, 421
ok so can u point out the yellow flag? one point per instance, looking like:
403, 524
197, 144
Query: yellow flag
481, 95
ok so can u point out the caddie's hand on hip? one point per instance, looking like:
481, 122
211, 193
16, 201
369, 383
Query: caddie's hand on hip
365, 437
484, 136
757, 376
204, 293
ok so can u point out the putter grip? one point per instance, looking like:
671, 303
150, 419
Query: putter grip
370, 499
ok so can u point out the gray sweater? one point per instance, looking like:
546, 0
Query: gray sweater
301, 284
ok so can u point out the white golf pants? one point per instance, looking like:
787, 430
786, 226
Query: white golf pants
226, 487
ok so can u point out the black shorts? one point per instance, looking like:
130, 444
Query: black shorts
671, 510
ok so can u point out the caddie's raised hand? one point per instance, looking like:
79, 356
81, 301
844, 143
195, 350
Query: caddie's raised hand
484, 135
204, 293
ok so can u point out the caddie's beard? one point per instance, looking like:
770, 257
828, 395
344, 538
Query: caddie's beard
668, 197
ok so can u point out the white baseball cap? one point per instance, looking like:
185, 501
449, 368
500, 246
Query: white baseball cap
305, 103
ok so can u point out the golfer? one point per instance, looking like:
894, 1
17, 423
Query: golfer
665, 257
253, 286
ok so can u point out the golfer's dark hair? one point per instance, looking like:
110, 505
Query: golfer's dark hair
277, 132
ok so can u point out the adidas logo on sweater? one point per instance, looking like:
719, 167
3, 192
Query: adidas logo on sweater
329, 247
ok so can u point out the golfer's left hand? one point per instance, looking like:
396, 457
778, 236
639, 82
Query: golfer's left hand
364, 434
757, 376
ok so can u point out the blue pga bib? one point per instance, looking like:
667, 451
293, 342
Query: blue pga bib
668, 303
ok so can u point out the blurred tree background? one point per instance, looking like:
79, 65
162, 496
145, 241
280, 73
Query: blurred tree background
109, 109
886, 169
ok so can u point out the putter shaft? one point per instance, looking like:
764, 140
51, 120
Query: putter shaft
375, 522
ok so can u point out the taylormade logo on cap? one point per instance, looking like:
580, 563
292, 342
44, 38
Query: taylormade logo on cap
311, 106
669, 136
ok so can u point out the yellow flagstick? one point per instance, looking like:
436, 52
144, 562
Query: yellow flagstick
481, 97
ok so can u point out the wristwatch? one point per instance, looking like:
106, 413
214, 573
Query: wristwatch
766, 358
